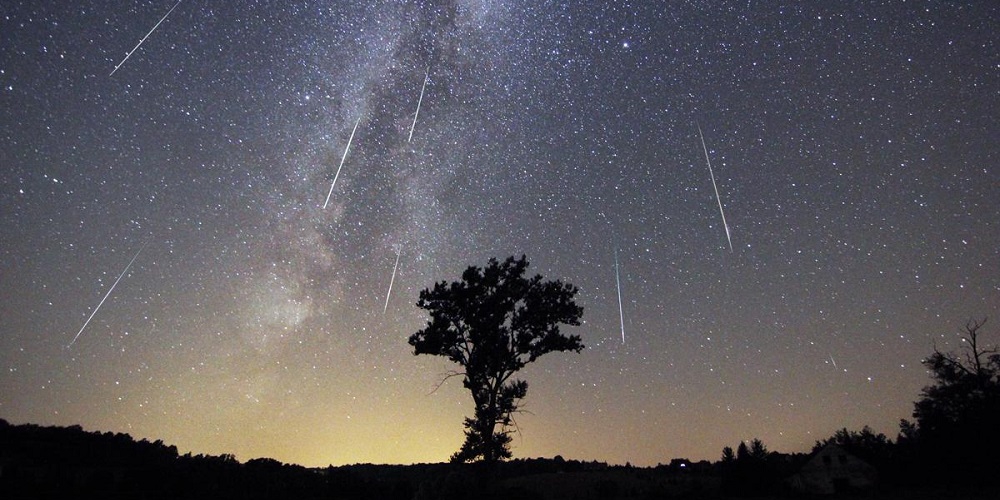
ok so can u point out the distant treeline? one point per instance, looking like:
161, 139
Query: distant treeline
67, 462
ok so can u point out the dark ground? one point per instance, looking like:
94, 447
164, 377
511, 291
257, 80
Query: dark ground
67, 462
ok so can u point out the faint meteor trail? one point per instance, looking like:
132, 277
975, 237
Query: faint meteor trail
833, 361
618, 282
717, 198
394, 267
129, 53
101, 303
348, 148
420, 100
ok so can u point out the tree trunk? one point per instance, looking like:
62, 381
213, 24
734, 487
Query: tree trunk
490, 424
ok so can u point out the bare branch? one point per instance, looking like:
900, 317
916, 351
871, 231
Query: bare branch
974, 355
449, 374
517, 429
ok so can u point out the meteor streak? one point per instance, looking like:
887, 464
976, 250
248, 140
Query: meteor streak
621, 313
129, 53
348, 148
101, 303
420, 100
717, 198
394, 267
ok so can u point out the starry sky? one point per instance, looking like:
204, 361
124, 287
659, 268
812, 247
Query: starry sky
854, 147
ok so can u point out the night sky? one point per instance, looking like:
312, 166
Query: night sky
855, 148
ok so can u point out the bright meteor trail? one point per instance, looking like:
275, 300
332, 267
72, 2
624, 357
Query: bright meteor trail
420, 100
129, 53
101, 303
348, 148
618, 282
394, 267
717, 198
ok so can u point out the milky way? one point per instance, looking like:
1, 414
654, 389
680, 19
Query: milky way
855, 145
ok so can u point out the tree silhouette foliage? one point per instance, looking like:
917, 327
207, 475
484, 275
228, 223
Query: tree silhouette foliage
757, 449
492, 323
751, 470
874, 448
959, 416
742, 452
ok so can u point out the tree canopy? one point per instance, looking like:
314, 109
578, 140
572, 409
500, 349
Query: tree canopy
874, 448
493, 322
959, 415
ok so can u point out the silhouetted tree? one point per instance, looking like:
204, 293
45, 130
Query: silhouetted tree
959, 416
742, 452
876, 449
757, 449
492, 323
748, 474
908, 434
727, 455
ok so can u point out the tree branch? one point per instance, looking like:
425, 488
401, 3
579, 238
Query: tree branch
449, 374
